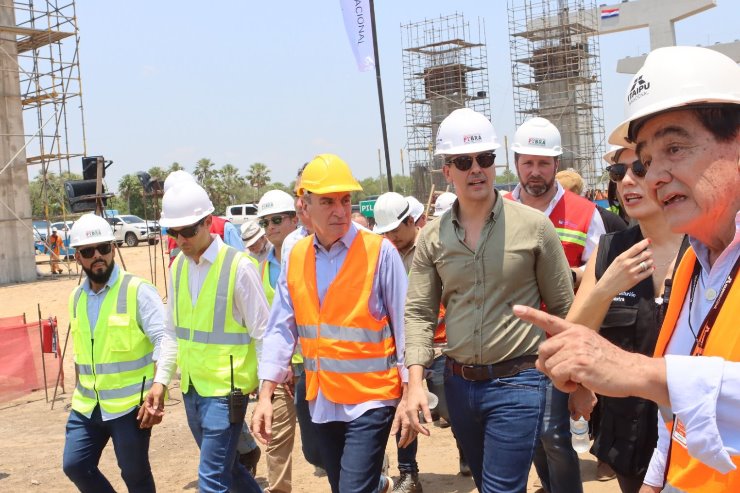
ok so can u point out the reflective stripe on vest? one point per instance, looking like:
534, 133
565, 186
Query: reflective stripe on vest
110, 371
266, 286
685, 473
209, 337
571, 217
348, 353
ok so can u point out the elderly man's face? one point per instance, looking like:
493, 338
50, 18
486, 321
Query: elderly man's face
694, 178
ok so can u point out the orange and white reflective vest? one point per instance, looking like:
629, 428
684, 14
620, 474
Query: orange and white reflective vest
440, 333
683, 472
348, 353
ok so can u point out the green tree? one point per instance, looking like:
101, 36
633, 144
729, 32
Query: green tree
130, 193
233, 184
258, 177
157, 172
47, 194
507, 176
204, 170
175, 166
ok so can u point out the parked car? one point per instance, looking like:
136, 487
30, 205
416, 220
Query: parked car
131, 230
40, 230
241, 213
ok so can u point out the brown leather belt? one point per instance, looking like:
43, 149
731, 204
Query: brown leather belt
506, 368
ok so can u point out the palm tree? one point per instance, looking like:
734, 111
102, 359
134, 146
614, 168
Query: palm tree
204, 171
232, 181
258, 176
175, 166
128, 187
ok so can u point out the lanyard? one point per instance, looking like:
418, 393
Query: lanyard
700, 338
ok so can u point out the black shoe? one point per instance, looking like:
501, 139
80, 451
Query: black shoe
465, 468
250, 460
408, 483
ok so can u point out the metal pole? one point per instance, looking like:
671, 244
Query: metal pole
61, 366
43, 358
380, 172
380, 97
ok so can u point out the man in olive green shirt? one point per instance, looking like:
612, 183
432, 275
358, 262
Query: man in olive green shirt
478, 259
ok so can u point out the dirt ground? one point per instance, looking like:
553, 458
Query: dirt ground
33, 434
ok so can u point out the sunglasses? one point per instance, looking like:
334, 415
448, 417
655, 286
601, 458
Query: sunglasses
187, 232
89, 252
619, 170
276, 220
464, 163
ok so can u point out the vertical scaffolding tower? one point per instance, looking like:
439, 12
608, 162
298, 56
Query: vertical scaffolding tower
556, 73
445, 67
51, 89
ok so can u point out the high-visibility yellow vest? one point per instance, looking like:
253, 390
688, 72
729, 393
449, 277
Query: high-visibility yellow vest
112, 367
348, 353
685, 473
207, 333
270, 295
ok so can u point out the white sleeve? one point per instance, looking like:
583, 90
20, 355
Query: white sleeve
596, 230
656, 470
250, 303
705, 395
167, 362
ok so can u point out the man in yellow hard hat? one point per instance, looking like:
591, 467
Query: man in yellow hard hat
117, 322
342, 294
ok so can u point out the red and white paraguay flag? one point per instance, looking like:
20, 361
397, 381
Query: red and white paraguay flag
606, 13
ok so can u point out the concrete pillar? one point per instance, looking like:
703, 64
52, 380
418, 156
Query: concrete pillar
17, 262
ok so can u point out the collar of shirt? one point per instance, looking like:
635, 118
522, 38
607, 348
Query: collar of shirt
498, 206
271, 257
212, 251
560, 191
347, 239
702, 252
111, 280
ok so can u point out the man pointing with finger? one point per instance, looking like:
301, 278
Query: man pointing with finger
477, 259
685, 127
341, 292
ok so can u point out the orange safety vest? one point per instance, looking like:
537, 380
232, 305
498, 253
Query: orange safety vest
683, 472
347, 352
440, 333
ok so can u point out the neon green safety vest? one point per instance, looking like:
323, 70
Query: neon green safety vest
270, 295
207, 333
111, 368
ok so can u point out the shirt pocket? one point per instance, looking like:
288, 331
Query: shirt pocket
620, 327
119, 335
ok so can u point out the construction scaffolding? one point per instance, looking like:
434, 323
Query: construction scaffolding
47, 40
556, 73
445, 67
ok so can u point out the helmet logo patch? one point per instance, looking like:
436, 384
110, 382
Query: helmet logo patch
638, 89
94, 232
536, 141
472, 139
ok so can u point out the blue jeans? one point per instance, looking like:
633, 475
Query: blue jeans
407, 456
554, 458
309, 437
497, 423
219, 469
353, 451
84, 443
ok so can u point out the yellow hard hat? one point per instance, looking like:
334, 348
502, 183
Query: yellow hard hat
327, 173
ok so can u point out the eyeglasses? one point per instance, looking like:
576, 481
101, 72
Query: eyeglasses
187, 232
89, 252
619, 170
464, 163
276, 220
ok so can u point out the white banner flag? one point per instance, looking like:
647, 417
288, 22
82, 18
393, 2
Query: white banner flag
359, 31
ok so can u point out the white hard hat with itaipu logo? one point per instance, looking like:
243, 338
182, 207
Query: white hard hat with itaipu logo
538, 137
184, 204
90, 230
465, 131
275, 201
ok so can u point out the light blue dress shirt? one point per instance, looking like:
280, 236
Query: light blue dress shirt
387, 298
233, 237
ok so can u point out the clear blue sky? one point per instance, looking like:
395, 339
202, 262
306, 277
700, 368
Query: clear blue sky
275, 82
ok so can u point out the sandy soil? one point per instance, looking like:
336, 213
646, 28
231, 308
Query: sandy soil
33, 434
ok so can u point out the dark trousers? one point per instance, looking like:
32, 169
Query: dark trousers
352, 452
309, 437
84, 443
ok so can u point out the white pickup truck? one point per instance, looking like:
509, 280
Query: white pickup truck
131, 230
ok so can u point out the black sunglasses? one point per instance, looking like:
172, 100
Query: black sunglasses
187, 232
89, 252
617, 171
276, 220
464, 163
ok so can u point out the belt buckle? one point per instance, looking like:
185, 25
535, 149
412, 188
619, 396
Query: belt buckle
462, 372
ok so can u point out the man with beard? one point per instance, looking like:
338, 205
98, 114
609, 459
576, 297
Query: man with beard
537, 150
476, 259
123, 315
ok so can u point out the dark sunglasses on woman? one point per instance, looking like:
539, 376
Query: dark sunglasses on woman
619, 170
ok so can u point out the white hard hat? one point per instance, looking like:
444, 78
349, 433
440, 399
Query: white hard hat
539, 137
251, 232
275, 201
54, 230
416, 208
465, 131
390, 210
90, 230
176, 177
444, 203
674, 77
184, 204
613, 150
